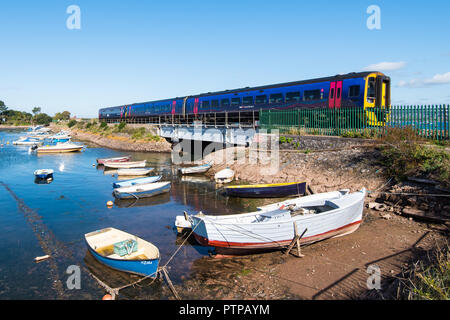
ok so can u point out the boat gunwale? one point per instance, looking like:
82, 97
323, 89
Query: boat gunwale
268, 185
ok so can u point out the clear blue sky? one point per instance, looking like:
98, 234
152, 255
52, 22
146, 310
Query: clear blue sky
133, 51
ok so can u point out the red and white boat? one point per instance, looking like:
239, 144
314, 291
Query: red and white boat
323, 216
117, 159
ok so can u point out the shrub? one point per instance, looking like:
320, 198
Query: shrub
72, 123
406, 154
103, 125
121, 126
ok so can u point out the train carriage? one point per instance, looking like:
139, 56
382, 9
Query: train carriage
369, 91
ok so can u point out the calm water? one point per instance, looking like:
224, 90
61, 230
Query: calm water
39, 219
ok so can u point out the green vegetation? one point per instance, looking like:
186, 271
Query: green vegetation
428, 279
406, 154
121, 129
72, 123
364, 134
10, 116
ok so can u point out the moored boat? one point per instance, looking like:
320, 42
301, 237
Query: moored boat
27, 141
44, 173
275, 190
142, 190
197, 169
224, 176
116, 159
60, 148
319, 216
137, 181
126, 164
123, 251
134, 171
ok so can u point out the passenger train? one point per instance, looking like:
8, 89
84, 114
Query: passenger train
366, 90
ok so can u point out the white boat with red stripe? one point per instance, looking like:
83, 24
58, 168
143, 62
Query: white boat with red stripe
317, 217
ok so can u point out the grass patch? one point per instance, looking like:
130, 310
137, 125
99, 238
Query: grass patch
428, 279
406, 154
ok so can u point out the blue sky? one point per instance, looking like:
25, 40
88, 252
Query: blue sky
133, 51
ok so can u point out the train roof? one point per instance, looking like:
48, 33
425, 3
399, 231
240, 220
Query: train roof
265, 87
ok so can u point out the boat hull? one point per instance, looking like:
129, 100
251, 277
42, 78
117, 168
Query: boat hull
117, 159
139, 267
125, 164
143, 261
133, 182
267, 190
194, 170
143, 194
59, 150
235, 237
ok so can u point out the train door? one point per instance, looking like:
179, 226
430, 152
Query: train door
195, 106
174, 105
335, 95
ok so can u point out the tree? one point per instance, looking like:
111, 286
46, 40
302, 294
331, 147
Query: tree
65, 115
43, 118
36, 110
3, 107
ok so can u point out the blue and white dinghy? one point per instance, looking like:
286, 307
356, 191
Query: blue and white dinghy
133, 182
142, 190
123, 251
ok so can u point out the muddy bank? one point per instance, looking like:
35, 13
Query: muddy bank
352, 168
331, 269
118, 141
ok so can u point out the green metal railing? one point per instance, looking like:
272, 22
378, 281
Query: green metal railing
428, 121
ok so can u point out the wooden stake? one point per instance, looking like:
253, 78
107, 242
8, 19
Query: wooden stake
296, 241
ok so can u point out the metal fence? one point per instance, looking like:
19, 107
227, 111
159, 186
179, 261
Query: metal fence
428, 121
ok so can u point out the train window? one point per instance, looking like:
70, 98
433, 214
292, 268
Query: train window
338, 93
235, 102
247, 101
353, 91
276, 98
205, 104
310, 95
332, 93
293, 96
371, 89
261, 99
214, 103
225, 102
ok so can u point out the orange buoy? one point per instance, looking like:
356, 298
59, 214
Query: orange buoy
107, 297
109, 204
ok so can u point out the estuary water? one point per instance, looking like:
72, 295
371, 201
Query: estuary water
39, 219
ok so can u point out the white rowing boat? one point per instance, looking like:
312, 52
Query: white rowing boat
128, 164
319, 216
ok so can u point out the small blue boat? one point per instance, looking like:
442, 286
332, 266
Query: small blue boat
132, 182
142, 190
123, 251
275, 190
44, 173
